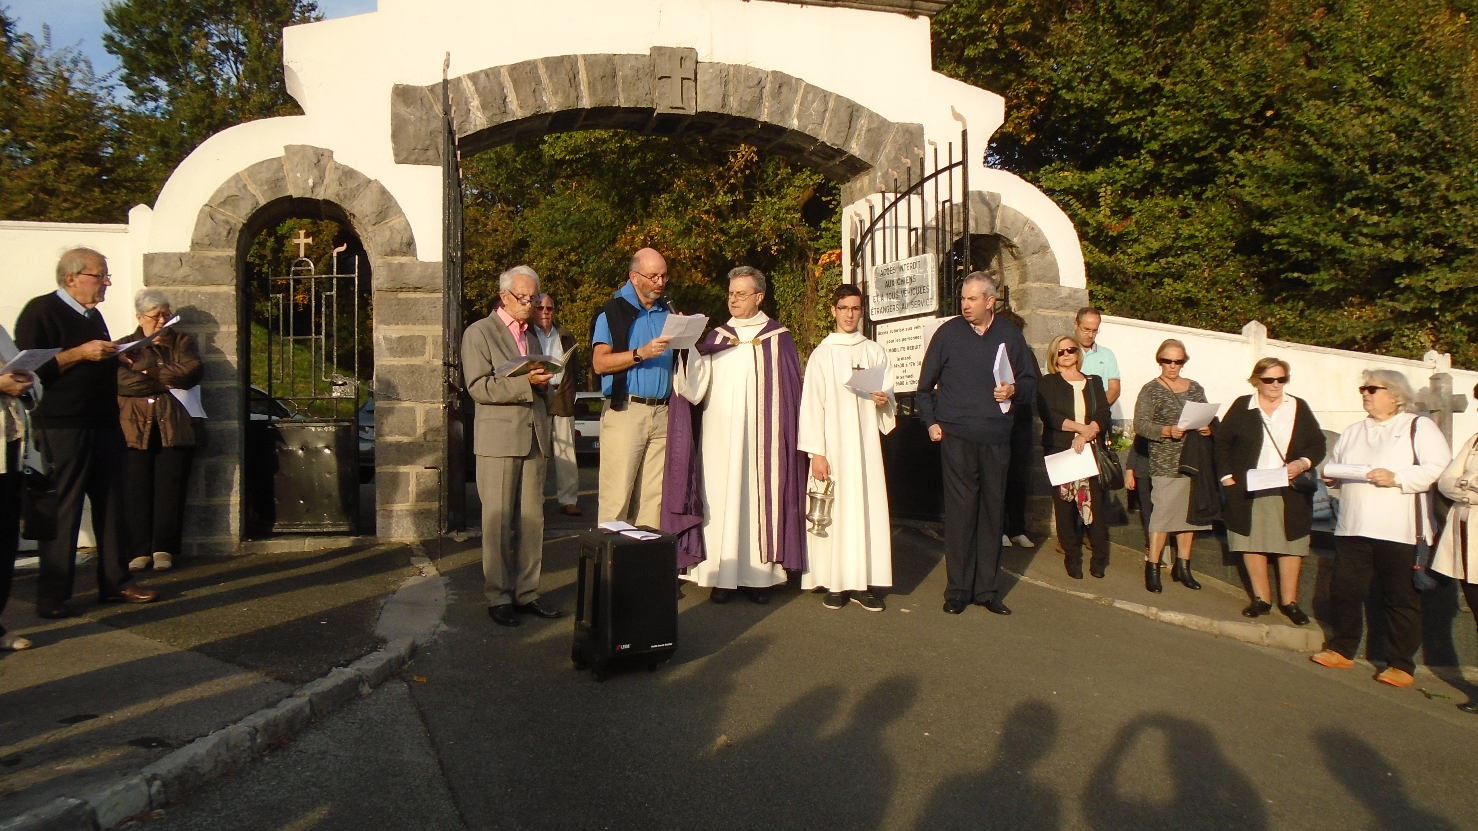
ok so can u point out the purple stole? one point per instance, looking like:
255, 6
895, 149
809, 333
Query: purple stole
782, 476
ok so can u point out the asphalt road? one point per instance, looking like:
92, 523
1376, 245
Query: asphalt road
1068, 714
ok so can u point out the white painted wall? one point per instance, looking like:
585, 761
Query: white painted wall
1325, 378
28, 255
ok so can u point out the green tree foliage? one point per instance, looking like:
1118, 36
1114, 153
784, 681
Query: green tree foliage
576, 205
196, 67
57, 127
1309, 164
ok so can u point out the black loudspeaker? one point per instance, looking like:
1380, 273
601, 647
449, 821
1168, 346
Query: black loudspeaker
626, 602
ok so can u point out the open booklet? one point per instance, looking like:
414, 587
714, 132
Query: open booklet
523, 365
616, 526
29, 360
150, 339
683, 331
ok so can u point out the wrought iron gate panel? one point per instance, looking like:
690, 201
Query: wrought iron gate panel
457, 459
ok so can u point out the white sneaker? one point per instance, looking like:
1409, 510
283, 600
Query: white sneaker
1023, 541
162, 561
1005, 541
139, 563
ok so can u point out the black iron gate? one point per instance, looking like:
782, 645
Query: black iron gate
304, 451
923, 230
454, 402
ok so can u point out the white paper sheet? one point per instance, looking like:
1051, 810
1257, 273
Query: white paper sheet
1069, 466
867, 380
1196, 415
1266, 478
627, 529
1004, 374
1335, 470
150, 339
191, 399
29, 360
683, 331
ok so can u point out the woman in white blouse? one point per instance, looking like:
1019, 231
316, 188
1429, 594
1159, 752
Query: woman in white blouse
1383, 509
1457, 551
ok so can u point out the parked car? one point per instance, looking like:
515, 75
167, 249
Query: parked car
587, 423
261, 406
364, 422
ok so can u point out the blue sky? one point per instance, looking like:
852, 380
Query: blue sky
79, 23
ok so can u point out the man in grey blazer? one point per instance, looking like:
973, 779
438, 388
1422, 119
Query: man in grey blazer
511, 439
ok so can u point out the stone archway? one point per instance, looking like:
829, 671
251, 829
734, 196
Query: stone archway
206, 280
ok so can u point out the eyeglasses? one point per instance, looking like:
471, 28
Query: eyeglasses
742, 295
847, 309
656, 278
1369, 389
103, 276
544, 308
1173, 361
1071, 350
1282, 379
164, 315
523, 299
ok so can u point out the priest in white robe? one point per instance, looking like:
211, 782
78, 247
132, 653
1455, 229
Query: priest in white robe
841, 429
745, 374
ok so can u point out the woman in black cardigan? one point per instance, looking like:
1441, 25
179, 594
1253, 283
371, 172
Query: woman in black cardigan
1269, 430
1075, 413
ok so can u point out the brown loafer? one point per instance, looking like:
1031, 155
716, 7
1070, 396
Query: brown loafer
1395, 677
570, 510
131, 594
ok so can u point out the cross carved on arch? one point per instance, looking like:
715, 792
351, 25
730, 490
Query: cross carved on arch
301, 242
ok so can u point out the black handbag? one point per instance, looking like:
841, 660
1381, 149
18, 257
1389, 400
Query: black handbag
1421, 576
1110, 469
1306, 482
39, 504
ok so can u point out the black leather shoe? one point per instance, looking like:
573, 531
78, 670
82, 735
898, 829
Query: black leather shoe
537, 609
1295, 614
1470, 707
53, 610
1257, 608
721, 595
1152, 577
503, 615
1074, 568
995, 606
1181, 574
758, 595
130, 594
954, 607
1096, 571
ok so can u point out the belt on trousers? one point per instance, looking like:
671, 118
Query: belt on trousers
650, 402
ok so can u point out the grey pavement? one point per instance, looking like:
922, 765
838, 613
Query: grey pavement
1084, 709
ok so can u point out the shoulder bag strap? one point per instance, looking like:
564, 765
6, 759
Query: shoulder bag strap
1416, 502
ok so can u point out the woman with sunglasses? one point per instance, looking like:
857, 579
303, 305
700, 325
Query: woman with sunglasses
1267, 430
1075, 413
1382, 511
1457, 551
159, 432
1156, 413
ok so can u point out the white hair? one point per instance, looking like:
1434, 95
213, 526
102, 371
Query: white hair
505, 280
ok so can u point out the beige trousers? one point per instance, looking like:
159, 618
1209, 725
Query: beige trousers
512, 494
633, 451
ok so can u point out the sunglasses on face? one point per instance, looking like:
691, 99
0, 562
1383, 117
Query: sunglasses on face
1173, 361
1283, 379
1070, 350
1369, 389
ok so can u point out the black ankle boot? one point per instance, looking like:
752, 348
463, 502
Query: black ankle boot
1152, 577
1181, 574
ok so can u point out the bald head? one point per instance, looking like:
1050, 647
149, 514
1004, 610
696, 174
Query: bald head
648, 275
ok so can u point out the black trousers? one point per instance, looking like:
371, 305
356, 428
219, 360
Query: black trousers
154, 497
974, 501
10, 519
85, 462
1070, 528
1019, 472
1358, 562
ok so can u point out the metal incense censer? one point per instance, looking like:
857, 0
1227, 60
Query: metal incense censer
819, 499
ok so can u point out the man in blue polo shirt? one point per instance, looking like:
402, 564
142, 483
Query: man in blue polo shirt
1097, 359
635, 368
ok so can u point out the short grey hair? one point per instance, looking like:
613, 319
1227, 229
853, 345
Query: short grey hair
74, 261
752, 273
1396, 384
982, 277
505, 280
147, 300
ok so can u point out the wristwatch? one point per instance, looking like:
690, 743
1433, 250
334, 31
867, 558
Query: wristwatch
636, 357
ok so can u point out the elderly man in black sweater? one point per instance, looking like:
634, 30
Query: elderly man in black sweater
969, 411
77, 430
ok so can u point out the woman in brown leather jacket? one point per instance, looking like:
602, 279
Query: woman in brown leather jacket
158, 430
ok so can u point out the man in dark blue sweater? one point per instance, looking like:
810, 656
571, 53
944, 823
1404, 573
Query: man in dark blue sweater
970, 412
78, 431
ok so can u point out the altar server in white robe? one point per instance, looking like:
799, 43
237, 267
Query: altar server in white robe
841, 429
746, 376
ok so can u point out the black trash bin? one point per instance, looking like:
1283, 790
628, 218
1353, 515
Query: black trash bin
312, 468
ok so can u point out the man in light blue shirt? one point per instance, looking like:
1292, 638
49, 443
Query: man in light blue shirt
635, 367
1097, 359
